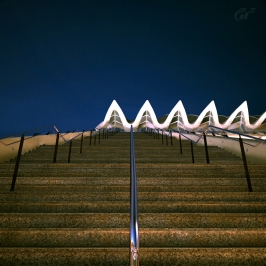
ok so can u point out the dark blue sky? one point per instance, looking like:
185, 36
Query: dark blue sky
63, 62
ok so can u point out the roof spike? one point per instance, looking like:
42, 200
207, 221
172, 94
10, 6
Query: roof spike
211, 107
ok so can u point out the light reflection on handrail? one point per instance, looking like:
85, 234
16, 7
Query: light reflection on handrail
30, 137
223, 130
240, 134
134, 230
20, 133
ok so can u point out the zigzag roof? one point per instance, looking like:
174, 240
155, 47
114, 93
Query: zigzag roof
179, 108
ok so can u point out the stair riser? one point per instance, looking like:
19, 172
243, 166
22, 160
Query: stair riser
142, 196
119, 256
123, 207
120, 238
119, 220
181, 188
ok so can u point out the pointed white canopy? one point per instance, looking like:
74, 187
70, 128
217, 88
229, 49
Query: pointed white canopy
146, 118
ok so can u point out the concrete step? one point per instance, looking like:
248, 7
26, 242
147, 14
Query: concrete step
64, 237
258, 206
121, 220
78, 213
184, 168
124, 196
171, 188
111, 186
119, 237
119, 256
158, 183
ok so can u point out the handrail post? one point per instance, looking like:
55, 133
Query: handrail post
103, 133
90, 136
95, 139
171, 138
107, 133
17, 164
180, 144
192, 152
56, 147
134, 231
166, 139
206, 148
69, 152
99, 137
81, 143
245, 163
162, 136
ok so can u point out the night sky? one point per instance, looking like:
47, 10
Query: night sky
63, 62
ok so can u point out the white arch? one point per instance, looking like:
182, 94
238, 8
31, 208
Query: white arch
243, 108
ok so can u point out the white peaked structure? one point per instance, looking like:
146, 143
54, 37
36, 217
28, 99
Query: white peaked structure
178, 119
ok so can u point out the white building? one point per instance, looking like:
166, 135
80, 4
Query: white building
178, 119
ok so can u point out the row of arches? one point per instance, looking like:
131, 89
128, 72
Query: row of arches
177, 119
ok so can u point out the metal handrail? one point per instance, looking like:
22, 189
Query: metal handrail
224, 130
66, 141
55, 152
134, 230
22, 133
240, 134
29, 137
240, 140
195, 142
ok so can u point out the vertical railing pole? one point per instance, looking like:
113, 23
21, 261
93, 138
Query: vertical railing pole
206, 148
81, 143
103, 133
17, 164
95, 139
245, 163
166, 139
99, 137
107, 133
56, 147
90, 136
192, 152
180, 144
134, 231
69, 152
162, 136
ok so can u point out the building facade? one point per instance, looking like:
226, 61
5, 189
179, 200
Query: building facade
178, 120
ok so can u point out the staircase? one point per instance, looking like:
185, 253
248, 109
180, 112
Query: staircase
77, 213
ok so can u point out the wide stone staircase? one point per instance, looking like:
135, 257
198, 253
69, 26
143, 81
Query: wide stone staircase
77, 213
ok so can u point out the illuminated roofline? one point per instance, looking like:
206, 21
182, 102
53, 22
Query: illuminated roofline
243, 108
